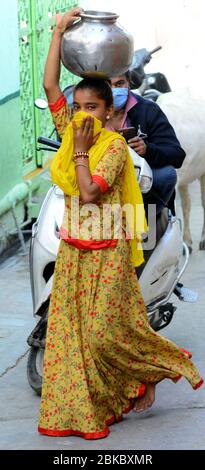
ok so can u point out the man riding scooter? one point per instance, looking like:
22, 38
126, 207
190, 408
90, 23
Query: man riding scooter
154, 139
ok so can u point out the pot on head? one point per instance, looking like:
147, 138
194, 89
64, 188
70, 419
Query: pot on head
97, 46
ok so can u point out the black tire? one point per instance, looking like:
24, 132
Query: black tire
35, 369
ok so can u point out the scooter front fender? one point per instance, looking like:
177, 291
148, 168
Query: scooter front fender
44, 296
45, 242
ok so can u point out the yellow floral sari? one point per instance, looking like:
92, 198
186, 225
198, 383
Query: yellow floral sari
100, 349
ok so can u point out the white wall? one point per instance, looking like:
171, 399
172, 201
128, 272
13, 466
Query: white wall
177, 25
180, 29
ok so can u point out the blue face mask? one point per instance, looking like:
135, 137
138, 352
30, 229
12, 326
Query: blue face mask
120, 96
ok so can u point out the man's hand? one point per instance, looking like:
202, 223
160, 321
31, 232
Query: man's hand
138, 144
63, 22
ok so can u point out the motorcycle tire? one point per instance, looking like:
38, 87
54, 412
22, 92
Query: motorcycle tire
35, 369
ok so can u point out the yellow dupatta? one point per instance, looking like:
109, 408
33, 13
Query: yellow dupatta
63, 174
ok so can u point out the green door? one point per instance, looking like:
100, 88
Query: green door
36, 19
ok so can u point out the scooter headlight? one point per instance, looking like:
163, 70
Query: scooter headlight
145, 184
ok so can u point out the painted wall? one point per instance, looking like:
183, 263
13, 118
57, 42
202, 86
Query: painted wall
10, 135
10, 145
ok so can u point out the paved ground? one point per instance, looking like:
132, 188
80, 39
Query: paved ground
177, 419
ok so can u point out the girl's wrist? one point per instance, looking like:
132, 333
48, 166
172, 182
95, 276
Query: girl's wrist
58, 31
80, 150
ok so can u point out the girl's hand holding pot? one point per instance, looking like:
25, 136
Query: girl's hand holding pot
63, 22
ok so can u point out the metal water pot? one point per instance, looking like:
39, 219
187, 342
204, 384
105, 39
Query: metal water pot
97, 46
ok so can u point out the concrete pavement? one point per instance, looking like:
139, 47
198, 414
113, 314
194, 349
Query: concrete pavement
176, 420
16, 318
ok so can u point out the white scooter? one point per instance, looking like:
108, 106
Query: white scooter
159, 278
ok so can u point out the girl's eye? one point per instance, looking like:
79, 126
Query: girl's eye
75, 107
91, 108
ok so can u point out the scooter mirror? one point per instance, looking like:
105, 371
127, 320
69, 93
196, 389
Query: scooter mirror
40, 103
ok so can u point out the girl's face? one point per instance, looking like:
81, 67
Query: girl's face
86, 100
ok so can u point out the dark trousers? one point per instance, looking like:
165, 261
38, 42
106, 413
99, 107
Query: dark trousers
164, 181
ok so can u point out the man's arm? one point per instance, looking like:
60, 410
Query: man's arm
163, 147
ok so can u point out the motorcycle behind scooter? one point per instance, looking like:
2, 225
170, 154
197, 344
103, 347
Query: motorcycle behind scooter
148, 85
159, 276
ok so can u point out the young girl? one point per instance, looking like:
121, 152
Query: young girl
102, 358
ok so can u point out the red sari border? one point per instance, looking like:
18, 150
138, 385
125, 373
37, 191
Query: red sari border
70, 432
200, 383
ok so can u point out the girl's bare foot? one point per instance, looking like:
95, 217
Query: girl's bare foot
141, 404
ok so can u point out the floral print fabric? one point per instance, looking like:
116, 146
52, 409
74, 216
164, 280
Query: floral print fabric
60, 114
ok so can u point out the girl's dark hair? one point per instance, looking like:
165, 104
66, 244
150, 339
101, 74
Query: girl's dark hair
101, 87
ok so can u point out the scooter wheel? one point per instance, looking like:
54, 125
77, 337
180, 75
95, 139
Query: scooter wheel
35, 369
